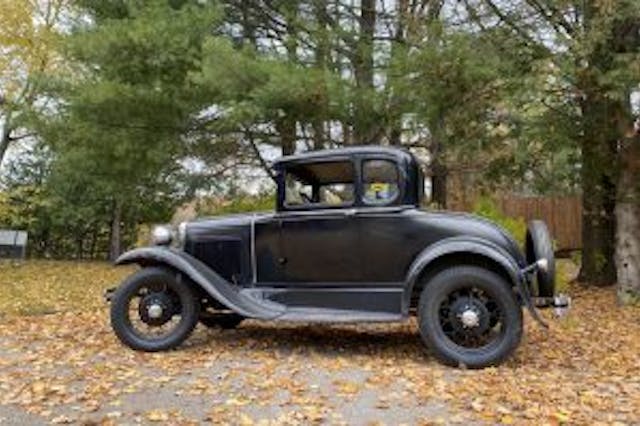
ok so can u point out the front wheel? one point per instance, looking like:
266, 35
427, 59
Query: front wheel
154, 310
469, 316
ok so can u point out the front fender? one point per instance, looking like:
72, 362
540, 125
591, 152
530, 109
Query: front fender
477, 246
201, 274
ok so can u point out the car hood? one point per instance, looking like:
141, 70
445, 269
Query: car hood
231, 219
223, 223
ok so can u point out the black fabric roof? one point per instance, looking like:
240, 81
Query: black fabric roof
328, 154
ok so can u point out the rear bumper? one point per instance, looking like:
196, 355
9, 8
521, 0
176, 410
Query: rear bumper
561, 303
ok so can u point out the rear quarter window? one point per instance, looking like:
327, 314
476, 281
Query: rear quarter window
380, 179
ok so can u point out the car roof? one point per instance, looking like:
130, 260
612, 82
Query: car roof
363, 150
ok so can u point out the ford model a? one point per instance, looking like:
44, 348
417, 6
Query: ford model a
348, 242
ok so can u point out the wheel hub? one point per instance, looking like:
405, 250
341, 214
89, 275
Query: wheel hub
470, 315
470, 318
156, 309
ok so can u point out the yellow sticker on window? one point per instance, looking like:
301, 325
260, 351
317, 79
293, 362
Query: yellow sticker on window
379, 186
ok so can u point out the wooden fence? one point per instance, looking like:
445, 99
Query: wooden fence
562, 215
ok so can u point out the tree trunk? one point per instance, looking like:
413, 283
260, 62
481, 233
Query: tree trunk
286, 127
92, 245
598, 143
628, 223
598, 230
6, 139
438, 165
439, 184
363, 130
79, 248
323, 56
115, 239
318, 134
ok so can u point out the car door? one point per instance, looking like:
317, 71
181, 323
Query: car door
319, 247
312, 239
387, 240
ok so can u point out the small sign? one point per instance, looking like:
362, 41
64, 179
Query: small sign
13, 244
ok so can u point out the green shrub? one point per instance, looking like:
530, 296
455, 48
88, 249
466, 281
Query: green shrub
516, 226
238, 204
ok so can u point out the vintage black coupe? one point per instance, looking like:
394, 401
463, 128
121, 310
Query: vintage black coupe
348, 242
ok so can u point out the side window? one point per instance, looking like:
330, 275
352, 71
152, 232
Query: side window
336, 194
297, 192
319, 184
380, 181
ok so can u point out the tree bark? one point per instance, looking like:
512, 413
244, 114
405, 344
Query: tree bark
286, 127
6, 139
439, 184
248, 26
322, 59
363, 130
438, 164
318, 134
627, 254
598, 141
115, 238
598, 194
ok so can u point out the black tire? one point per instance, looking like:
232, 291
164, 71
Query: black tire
501, 305
538, 245
224, 321
183, 300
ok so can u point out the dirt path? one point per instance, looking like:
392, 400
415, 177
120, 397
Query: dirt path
257, 373
69, 368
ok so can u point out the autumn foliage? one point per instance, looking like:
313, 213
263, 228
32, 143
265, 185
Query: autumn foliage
66, 366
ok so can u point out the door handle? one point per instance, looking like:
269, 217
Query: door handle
350, 212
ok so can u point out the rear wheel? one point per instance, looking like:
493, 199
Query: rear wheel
469, 316
153, 310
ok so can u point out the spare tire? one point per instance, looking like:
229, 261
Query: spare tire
538, 245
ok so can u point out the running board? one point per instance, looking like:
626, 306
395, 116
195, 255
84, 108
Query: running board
301, 314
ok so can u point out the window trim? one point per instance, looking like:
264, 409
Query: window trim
282, 173
357, 161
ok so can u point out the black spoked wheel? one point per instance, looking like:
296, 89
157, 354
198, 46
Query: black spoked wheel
153, 311
470, 316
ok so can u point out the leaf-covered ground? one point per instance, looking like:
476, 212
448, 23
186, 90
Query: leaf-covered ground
67, 367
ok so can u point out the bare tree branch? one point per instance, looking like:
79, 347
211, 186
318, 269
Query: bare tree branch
256, 151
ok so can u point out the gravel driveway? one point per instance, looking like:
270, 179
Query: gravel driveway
69, 368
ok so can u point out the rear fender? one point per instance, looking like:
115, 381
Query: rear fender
203, 276
477, 246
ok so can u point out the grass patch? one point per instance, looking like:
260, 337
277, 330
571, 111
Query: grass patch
38, 287
566, 272
41, 286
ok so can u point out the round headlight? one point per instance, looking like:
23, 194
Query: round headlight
161, 235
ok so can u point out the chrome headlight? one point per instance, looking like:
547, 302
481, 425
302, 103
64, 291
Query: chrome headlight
161, 235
